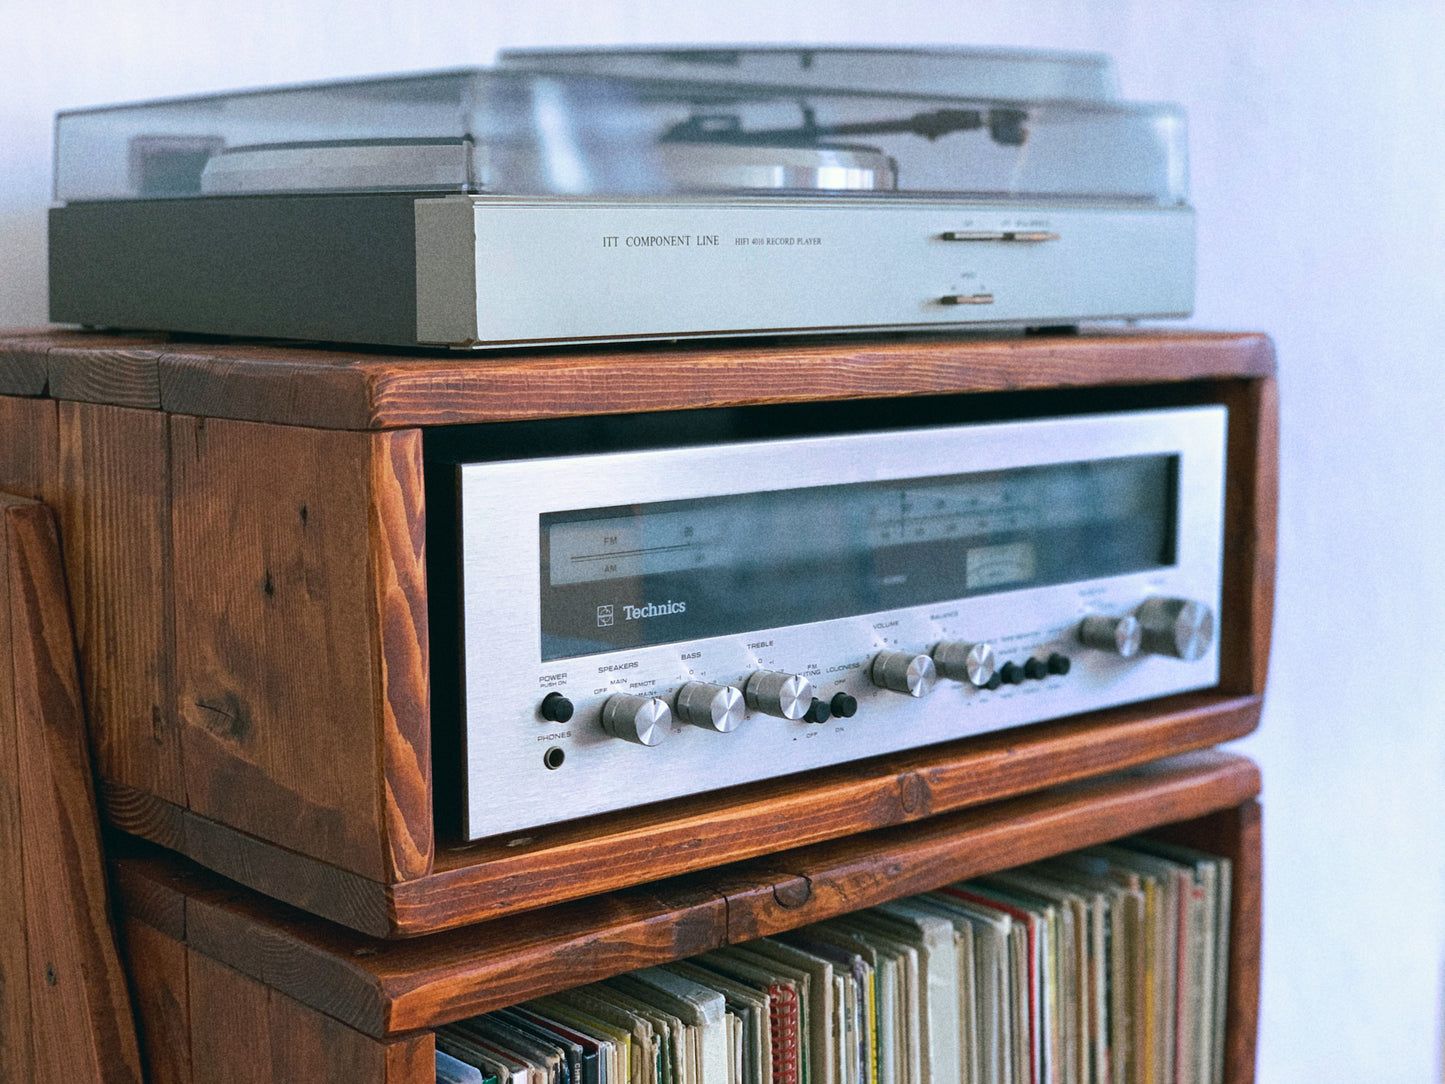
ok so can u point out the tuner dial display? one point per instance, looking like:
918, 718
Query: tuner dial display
1178, 627
712, 707
642, 720
904, 672
784, 696
960, 660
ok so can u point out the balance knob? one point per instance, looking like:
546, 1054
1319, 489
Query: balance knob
1178, 627
1117, 634
712, 707
904, 672
643, 720
784, 696
963, 661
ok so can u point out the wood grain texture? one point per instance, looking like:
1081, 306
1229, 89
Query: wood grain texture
80, 1014
783, 891
549, 865
1251, 512
114, 509
1237, 834
25, 358
157, 966
343, 389
123, 374
245, 1033
394, 987
397, 530
28, 447
17, 1064
560, 862
300, 649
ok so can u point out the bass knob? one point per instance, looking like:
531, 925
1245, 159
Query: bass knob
712, 707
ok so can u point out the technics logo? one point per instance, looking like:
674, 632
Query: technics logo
653, 609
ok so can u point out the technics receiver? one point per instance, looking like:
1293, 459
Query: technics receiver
642, 624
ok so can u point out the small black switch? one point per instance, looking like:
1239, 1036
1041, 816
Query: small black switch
1036, 669
843, 706
556, 708
994, 682
1012, 673
1059, 664
817, 712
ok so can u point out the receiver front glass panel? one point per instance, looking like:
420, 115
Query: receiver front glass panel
664, 572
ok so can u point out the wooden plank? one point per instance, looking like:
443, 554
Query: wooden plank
342, 389
16, 1055
79, 1005
25, 357
1251, 512
157, 967
394, 987
557, 862
122, 374
114, 510
300, 685
791, 889
243, 1032
28, 447
397, 531
1237, 834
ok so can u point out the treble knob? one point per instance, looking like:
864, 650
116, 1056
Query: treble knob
1179, 627
960, 660
784, 696
904, 672
712, 707
642, 720
1120, 635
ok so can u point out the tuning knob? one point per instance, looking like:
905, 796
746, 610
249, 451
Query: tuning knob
785, 696
1117, 634
643, 720
904, 672
963, 661
1179, 627
712, 707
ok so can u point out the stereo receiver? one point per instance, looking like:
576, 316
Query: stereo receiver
640, 625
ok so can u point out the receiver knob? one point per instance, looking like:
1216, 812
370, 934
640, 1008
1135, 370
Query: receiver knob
904, 672
643, 720
1117, 634
1178, 627
712, 707
963, 661
785, 696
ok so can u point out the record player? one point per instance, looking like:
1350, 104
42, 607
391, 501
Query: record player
602, 195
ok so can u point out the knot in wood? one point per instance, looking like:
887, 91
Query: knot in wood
793, 893
912, 792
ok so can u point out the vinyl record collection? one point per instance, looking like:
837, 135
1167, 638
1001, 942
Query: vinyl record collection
1103, 966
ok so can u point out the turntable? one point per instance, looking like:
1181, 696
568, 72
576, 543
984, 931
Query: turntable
568, 196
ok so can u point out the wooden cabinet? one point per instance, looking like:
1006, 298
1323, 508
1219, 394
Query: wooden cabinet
245, 532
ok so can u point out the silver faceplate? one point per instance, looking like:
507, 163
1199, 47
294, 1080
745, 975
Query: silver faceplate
508, 785
499, 270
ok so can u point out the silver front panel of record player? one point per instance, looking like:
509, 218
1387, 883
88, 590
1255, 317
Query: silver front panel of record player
495, 270
523, 771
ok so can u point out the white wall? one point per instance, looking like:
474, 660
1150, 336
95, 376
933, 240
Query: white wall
1318, 145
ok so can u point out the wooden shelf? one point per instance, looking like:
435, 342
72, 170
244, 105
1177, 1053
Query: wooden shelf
240, 518
392, 992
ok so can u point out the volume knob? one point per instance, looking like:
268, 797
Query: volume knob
1117, 634
1178, 627
712, 707
960, 660
785, 696
904, 672
642, 720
